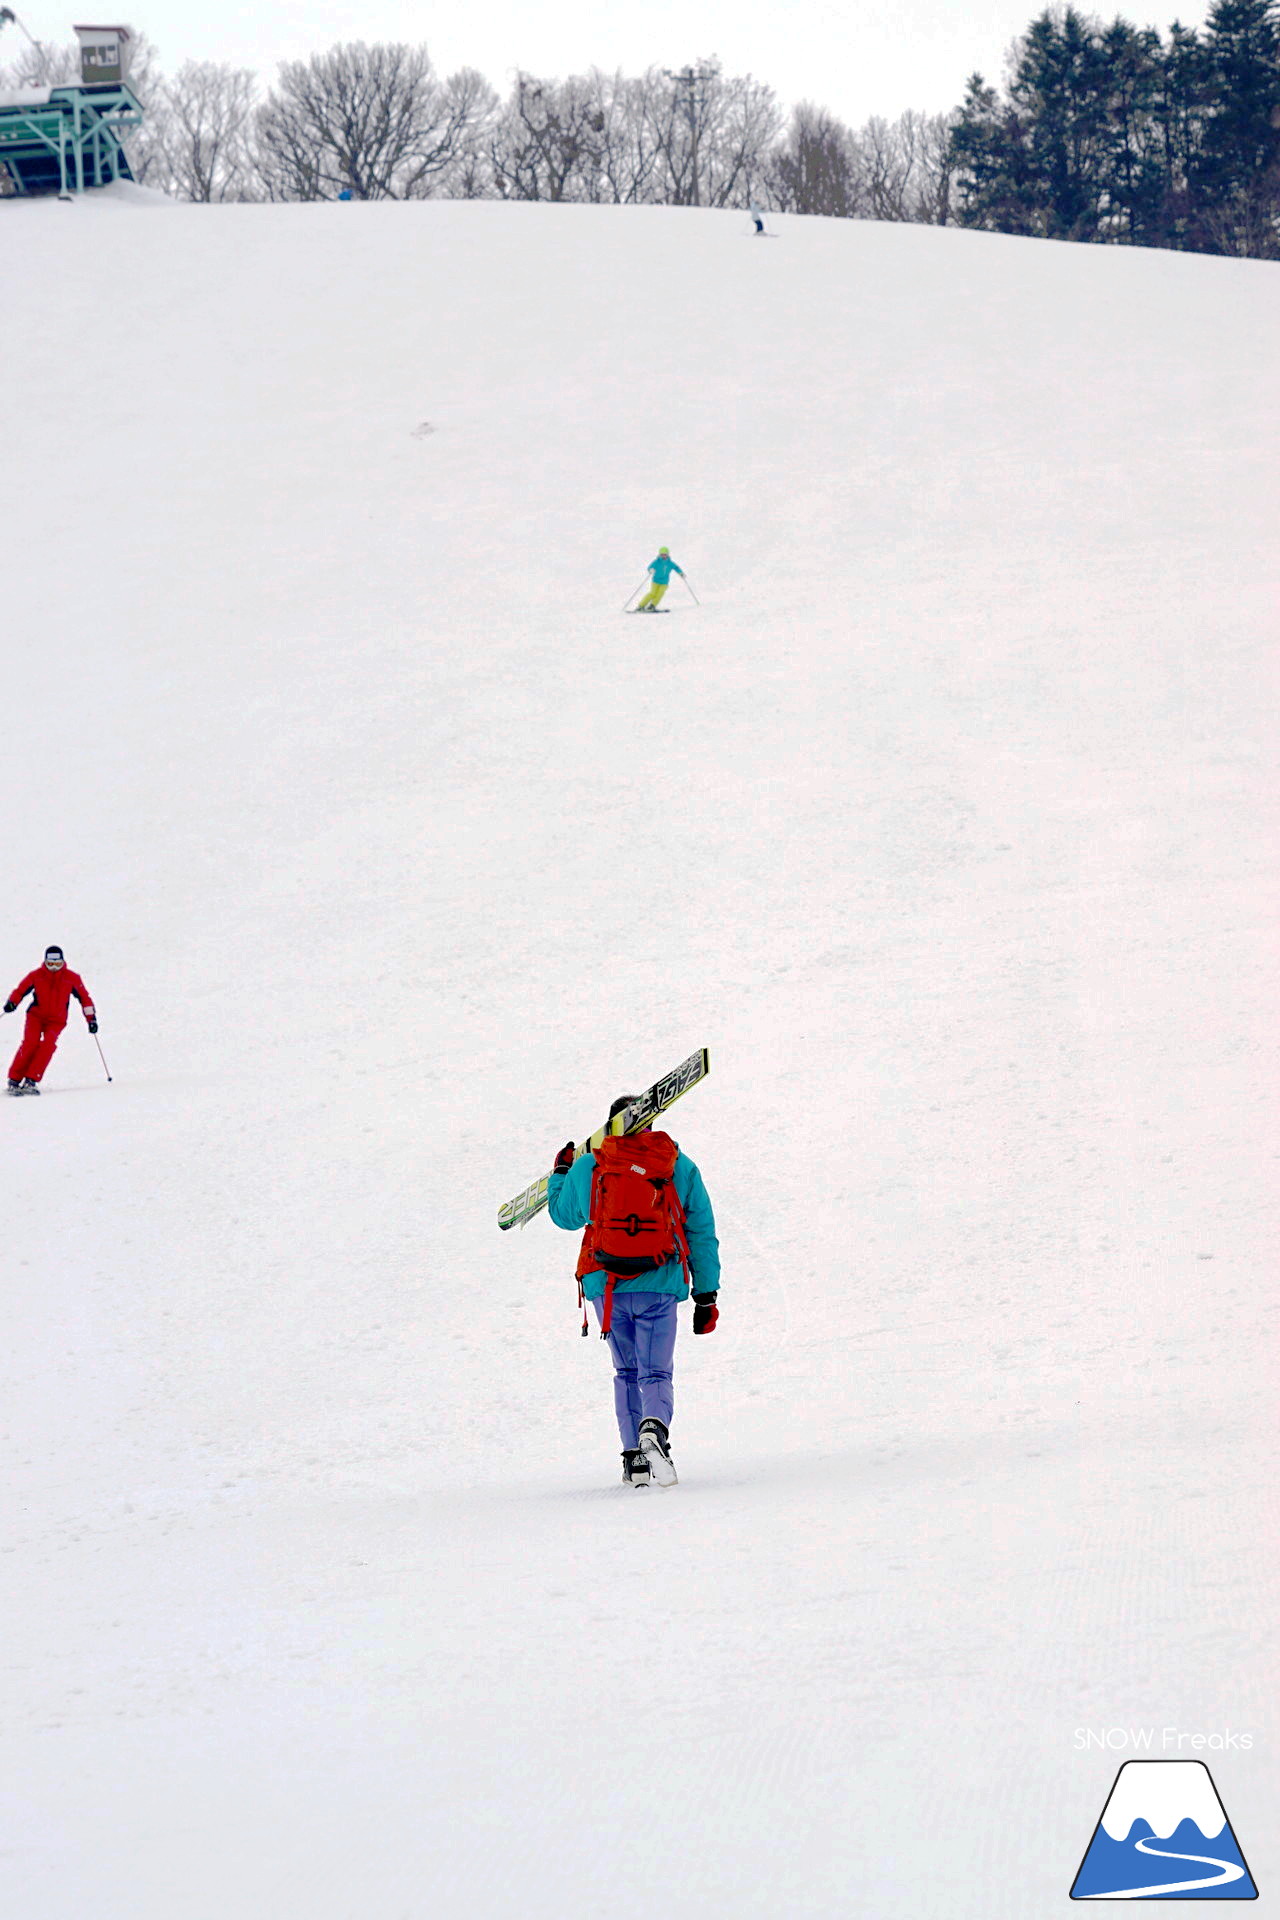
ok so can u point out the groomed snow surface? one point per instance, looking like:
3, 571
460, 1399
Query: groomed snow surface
391, 852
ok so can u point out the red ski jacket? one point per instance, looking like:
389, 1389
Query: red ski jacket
53, 989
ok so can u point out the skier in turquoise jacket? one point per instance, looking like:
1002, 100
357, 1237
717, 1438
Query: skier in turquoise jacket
642, 1329
660, 572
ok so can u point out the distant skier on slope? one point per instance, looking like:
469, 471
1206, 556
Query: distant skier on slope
660, 572
757, 216
51, 987
638, 1191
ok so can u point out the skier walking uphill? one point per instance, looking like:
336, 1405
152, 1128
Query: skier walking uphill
622, 1194
660, 572
51, 987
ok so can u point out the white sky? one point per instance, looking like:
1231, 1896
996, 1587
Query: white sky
856, 57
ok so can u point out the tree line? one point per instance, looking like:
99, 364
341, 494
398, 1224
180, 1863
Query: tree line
1117, 133
1100, 132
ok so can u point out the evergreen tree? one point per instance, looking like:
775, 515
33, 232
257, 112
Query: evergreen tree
1045, 161
1135, 180
1235, 180
1059, 87
1180, 111
990, 160
1107, 133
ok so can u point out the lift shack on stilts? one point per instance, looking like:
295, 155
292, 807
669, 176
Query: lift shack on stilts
68, 139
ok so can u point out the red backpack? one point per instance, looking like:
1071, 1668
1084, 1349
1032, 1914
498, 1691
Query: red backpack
637, 1221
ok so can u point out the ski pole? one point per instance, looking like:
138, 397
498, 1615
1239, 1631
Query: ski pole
102, 1056
634, 591
696, 601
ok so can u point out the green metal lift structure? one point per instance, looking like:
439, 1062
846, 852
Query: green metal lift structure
66, 141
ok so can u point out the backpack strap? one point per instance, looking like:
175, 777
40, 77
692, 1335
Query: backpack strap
681, 1237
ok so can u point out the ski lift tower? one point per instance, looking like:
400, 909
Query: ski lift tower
65, 139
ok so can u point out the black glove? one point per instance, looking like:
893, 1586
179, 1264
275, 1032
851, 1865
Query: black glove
93, 1026
564, 1159
9, 1007
705, 1313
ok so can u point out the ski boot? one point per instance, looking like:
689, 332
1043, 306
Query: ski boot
15, 1086
29, 1086
655, 1444
635, 1468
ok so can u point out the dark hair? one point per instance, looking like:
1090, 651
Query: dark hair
623, 1100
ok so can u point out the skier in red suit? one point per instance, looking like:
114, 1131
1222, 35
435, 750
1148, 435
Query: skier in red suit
51, 987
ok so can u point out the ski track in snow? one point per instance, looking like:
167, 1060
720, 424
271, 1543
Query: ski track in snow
947, 823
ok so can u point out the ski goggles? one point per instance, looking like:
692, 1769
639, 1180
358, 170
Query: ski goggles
54, 961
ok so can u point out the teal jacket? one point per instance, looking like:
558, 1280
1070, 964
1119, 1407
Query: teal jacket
662, 569
569, 1204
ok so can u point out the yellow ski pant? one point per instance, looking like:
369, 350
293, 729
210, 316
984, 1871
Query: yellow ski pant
654, 596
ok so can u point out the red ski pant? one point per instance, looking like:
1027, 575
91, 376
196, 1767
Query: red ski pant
38, 1045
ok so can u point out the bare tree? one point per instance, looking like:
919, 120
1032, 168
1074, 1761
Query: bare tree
1246, 222
144, 145
695, 138
205, 137
818, 168
890, 156
467, 174
935, 185
886, 170
748, 126
374, 121
627, 152
140, 63
42, 64
378, 123
591, 137
546, 146
713, 134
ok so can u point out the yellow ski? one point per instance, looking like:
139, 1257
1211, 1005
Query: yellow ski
642, 1112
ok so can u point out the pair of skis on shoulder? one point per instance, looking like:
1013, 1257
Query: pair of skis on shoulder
642, 1112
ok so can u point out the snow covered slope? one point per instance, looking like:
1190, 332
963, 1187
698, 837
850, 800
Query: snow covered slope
391, 851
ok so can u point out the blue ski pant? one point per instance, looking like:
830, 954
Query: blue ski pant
642, 1339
